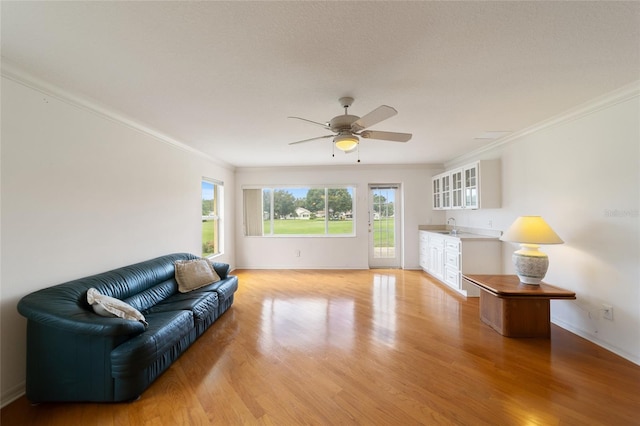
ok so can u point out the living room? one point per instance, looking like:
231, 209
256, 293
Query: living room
87, 188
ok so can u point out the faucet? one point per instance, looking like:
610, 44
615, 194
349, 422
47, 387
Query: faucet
454, 231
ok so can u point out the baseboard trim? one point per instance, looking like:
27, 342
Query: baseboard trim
293, 267
12, 394
595, 340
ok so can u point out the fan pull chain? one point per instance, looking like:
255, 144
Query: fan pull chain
358, 149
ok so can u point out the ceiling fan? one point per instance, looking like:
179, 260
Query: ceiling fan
347, 129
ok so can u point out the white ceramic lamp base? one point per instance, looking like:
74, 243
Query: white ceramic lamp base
531, 264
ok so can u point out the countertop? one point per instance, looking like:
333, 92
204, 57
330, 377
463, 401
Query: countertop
464, 234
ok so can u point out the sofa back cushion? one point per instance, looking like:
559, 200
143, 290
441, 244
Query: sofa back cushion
128, 281
153, 278
153, 295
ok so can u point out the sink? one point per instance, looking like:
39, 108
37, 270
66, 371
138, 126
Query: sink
446, 232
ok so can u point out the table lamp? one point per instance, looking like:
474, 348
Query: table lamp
530, 231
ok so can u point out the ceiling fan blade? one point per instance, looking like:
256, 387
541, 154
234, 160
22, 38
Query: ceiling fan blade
386, 136
311, 139
377, 115
313, 122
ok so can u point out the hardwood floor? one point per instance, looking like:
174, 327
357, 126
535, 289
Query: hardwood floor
366, 347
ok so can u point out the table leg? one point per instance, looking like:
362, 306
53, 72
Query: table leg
516, 317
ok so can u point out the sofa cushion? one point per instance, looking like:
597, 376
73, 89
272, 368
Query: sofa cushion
108, 306
225, 288
193, 274
165, 331
201, 304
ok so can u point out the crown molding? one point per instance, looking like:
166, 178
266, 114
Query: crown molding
339, 167
22, 77
608, 100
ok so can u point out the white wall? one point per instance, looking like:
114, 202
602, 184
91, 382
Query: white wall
581, 173
336, 252
82, 194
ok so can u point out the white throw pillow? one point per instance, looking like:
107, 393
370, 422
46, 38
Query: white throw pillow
193, 274
108, 306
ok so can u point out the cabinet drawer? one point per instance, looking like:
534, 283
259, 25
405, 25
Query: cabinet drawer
452, 259
453, 245
452, 277
436, 242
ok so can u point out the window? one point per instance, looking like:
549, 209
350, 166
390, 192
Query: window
211, 217
299, 211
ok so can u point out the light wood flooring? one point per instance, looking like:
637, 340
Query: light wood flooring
379, 347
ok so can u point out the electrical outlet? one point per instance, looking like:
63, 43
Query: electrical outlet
297, 253
607, 312
490, 223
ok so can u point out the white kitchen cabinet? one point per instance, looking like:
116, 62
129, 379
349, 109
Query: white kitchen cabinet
474, 186
447, 257
424, 250
470, 173
436, 256
456, 189
441, 188
437, 193
482, 186
445, 187
452, 254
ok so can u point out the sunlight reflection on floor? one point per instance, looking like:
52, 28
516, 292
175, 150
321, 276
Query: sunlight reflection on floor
384, 309
306, 323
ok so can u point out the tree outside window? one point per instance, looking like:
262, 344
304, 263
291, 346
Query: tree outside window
298, 211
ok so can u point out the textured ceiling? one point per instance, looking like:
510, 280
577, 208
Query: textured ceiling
224, 76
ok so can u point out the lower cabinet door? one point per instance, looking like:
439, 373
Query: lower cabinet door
452, 277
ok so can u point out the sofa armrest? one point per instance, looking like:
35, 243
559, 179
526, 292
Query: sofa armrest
62, 308
222, 269
69, 360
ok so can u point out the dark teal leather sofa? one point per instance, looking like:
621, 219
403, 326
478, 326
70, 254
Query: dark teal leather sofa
74, 354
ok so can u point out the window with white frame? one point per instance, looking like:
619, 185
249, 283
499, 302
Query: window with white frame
299, 211
212, 196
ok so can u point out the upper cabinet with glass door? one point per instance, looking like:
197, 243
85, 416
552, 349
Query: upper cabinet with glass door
445, 184
472, 186
437, 194
456, 189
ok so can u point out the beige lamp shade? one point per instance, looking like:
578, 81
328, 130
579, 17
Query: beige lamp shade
531, 230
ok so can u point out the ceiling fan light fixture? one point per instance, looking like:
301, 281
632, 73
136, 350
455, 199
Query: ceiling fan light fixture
346, 143
347, 129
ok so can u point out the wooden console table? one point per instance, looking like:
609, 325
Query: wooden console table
514, 309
